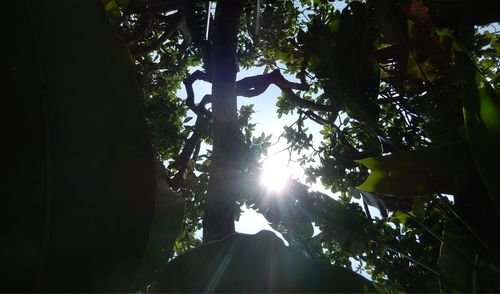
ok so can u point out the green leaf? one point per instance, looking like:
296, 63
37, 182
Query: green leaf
445, 169
166, 226
456, 266
113, 10
123, 3
81, 188
254, 263
482, 123
400, 216
418, 209
305, 229
446, 33
461, 268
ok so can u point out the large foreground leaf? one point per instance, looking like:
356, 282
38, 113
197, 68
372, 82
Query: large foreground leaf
482, 122
445, 169
167, 223
78, 205
462, 269
254, 263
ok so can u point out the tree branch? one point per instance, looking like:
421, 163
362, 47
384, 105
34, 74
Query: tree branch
188, 83
303, 68
256, 85
316, 118
299, 102
321, 121
175, 18
162, 4
192, 142
145, 22
181, 162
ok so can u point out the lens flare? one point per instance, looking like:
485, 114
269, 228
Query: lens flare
275, 175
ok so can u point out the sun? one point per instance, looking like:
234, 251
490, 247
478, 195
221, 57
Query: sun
275, 174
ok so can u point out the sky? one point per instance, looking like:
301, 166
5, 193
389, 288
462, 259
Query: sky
266, 121
276, 163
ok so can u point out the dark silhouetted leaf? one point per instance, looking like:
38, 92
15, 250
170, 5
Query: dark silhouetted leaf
462, 269
167, 223
414, 173
358, 76
482, 122
254, 263
81, 199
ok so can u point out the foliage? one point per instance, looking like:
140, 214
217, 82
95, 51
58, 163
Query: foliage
385, 82
482, 123
419, 172
406, 94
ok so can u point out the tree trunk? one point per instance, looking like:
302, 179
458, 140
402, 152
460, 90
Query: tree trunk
218, 221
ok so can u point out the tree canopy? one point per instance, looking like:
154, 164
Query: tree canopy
406, 94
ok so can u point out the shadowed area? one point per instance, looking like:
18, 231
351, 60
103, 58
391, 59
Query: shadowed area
254, 263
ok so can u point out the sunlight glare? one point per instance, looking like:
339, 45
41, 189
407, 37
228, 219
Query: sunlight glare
275, 174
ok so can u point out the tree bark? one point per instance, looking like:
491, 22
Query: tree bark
218, 220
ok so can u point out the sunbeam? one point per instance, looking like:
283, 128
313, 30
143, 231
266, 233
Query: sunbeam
275, 174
